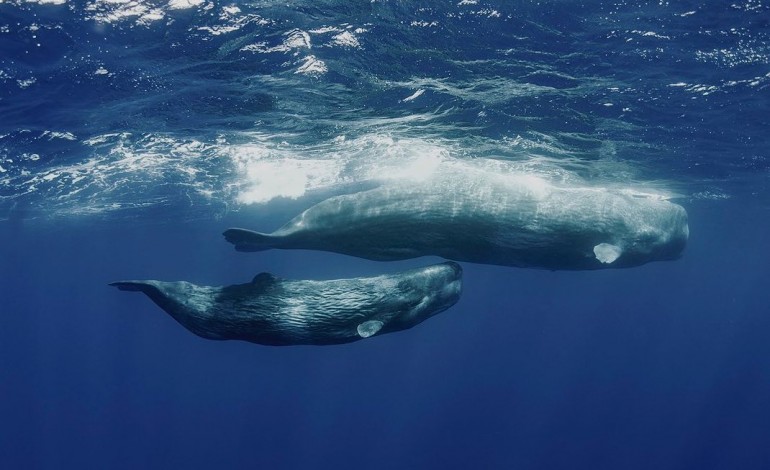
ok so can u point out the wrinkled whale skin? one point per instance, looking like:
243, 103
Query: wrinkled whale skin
274, 311
481, 217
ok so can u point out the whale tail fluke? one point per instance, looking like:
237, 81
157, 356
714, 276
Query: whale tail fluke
248, 240
135, 286
152, 289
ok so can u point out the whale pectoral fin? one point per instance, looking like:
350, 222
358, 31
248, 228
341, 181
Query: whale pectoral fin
369, 328
607, 253
249, 240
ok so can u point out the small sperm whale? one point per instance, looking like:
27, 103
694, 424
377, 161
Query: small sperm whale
273, 311
483, 217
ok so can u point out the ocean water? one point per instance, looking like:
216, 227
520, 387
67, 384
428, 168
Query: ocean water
132, 133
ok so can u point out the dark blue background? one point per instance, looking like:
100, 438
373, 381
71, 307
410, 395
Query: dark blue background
664, 366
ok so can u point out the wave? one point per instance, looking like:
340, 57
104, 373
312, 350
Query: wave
122, 172
110, 106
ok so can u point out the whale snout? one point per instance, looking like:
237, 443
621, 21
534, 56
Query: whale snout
440, 275
427, 291
663, 239
447, 271
679, 242
671, 244
456, 270
453, 279
442, 283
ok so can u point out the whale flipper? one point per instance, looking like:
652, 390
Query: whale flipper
249, 240
607, 253
369, 328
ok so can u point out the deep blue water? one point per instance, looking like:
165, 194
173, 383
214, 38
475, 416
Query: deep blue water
132, 133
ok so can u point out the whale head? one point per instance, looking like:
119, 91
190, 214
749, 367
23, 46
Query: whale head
656, 232
430, 290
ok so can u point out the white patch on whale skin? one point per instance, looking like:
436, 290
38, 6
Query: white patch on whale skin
369, 328
607, 253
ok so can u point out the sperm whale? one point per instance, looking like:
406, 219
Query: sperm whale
273, 311
511, 219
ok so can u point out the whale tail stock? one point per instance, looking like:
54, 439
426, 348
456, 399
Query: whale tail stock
248, 240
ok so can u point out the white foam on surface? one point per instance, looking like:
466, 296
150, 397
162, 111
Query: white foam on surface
26, 83
114, 11
293, 40
346, 39
489, 91
183, 4
296, 39
418, 168
123, 170
313, 66
267, 170
50, 135
414, 96
325, 30
287, 178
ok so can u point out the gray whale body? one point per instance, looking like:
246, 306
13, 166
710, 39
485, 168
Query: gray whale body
482, 217
274, 311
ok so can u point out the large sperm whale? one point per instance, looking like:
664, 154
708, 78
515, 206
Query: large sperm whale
275, 311
481, 217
